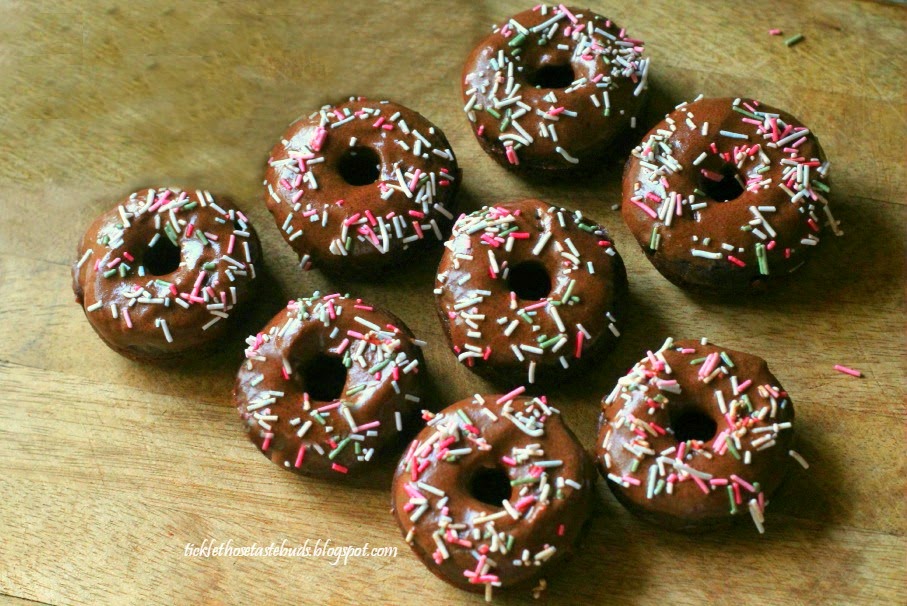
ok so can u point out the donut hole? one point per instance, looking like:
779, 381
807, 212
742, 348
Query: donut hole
722, 184
359, 166
163, 258
558, 75
691, 424
529, 280
490, 485
324, 377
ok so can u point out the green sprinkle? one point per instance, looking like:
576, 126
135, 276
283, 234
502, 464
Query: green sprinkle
202, 237
569, 290
210, 266
549, 342
699, 192
585, 227
464, 417
526, 480
659, 487
762, 258
493, 112
517, 40
653, 240
820, 185
607, 112
794, 40
727, 359
730, 497
731, 448
190, 206
504, 124
744, 112
697, 361
340, 447
379, 366
354, 390
171, 235
634, 467
110, 273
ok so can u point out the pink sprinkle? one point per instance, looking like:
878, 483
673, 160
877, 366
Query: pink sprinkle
774, 32
848, 371
648, 210
631, 480
300, 456
743, 483
508, 461
700, 483
510, 396
340, 468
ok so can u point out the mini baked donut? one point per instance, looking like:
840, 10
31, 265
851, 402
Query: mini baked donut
695, 435
328, 384
360, 185
727, 195
553, 87
160, 272
493, 491
525, 290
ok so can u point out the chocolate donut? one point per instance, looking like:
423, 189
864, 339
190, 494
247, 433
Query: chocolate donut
553, 87
727, 195
696, 435
160, 272
526, 289
493, 491
328, 384
360, 185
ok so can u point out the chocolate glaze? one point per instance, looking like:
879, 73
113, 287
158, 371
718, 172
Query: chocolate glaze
410, 214
721, 221
193, 316
478, 333
547, 517
643, 402
606, 62
271, 390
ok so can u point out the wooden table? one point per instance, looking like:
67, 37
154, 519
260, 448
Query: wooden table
110, 468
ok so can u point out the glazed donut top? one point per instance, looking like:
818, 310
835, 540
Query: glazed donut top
558, 126
528, 245
694, 387
676, 178
165, 267
330, 221
378, 396
538, 516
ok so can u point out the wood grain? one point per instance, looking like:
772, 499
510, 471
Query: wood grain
110, 468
